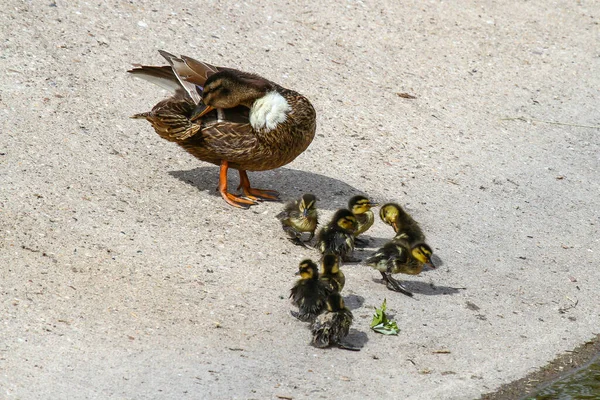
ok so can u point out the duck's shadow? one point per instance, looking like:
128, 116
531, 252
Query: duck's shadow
290, 183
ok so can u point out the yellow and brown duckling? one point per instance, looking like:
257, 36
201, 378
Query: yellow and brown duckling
230, 118
361, 208
331, 274
397, 257
408, 231
337, 237
298, 217
308, 293
404, 225
330, 327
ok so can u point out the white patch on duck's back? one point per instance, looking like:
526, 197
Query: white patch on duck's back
269, 111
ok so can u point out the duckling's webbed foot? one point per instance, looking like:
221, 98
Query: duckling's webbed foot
350, 259
360, 242
293, 236
297, 241
393, 284
253, 193
304, 317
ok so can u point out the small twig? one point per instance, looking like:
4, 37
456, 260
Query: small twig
406, 96
563, 310
550, 122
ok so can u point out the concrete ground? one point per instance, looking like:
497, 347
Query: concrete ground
124, 275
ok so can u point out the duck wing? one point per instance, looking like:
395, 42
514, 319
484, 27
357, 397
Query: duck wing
161, 76
191, 74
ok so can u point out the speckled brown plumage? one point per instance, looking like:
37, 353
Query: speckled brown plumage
225, 136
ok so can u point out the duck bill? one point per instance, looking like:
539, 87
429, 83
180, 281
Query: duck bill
430, 264
395, 225
305, 213
201, 110
297, 273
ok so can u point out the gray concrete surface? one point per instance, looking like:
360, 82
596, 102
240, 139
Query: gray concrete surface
123, 275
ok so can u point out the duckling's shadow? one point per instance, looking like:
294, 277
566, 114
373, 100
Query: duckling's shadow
436, 260
354, 301
373, 243
356, 338
290, 183
424, 288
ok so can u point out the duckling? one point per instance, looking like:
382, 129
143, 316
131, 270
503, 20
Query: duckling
331, 275
408, 231
331, 326
398, 257
300, 216
309, 293
404, 225
337, 237
229, 118
361, 208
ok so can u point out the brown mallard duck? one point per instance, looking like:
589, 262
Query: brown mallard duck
230, 118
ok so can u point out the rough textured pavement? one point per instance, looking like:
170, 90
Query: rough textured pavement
124, 275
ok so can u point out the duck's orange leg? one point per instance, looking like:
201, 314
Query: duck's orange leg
253, 193
228, 197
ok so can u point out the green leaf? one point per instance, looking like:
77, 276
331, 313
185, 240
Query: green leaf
381, 323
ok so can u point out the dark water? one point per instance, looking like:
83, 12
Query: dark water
582, 384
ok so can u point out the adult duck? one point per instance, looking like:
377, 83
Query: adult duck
230, 118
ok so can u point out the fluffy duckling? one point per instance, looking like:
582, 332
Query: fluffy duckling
404, 225
408, 231
331, 326
398, 257
300, 216
361, 208
309, 293
337, 237
331, 275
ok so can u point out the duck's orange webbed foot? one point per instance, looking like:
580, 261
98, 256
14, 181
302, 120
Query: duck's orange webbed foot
231, 199
253, 193
237, 201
